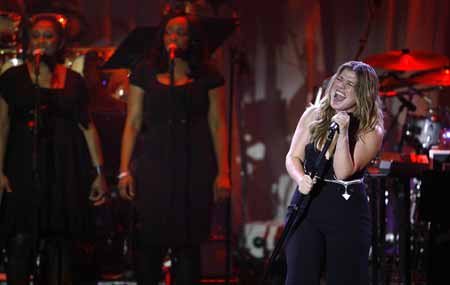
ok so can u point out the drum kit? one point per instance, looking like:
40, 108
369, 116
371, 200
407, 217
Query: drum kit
416, 82
424, 74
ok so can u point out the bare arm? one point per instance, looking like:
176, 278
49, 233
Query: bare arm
296, 154
217, 123
133, 125
218, 126
4, 131
99, 187
346, 164
93, 141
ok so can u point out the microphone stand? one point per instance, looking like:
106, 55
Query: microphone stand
34, 157
171, 141
228, 208
405, 104
302, 203
187, 146
36, 121
234, 61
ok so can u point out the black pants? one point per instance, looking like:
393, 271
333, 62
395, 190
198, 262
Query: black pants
185, 268
54, 267
335, 236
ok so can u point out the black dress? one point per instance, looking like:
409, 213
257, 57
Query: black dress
174, 161
59, 203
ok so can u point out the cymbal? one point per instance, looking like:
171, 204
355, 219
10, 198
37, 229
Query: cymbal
391, 93
390, 83
407, 60
13, 16
396, 93
435, 78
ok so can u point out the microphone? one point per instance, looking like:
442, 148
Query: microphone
172, 48
333, 128
37, 55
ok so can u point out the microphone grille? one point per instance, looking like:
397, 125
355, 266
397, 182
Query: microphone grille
334, 126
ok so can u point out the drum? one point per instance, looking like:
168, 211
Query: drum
444, 138
423, 132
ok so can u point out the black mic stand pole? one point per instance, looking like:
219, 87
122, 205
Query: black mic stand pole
24, 23
36, 121
37, 178
171, 143
228, 211
303, 202
187, 123
410, 107
34, 158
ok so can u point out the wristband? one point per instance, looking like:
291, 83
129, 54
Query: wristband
123, 174
99, 169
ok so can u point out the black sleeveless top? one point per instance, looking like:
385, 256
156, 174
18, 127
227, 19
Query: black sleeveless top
326, 166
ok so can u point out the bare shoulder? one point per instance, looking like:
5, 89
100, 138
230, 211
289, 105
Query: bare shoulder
367, 147
373, 139
213, 93
376, 134
136, 89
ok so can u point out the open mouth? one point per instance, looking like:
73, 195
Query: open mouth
339, 96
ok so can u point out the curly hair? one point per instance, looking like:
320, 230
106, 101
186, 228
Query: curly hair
368, 104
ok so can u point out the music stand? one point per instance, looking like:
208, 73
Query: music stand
142, 39
132, 49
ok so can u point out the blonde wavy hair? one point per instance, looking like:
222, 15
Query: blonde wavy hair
368, 104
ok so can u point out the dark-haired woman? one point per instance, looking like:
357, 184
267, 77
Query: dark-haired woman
176, 138
50, 160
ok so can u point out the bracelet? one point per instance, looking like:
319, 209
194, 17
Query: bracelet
123, 174
99, 169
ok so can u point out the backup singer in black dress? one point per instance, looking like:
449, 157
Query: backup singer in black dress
49, 199
177, 141
336, 229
